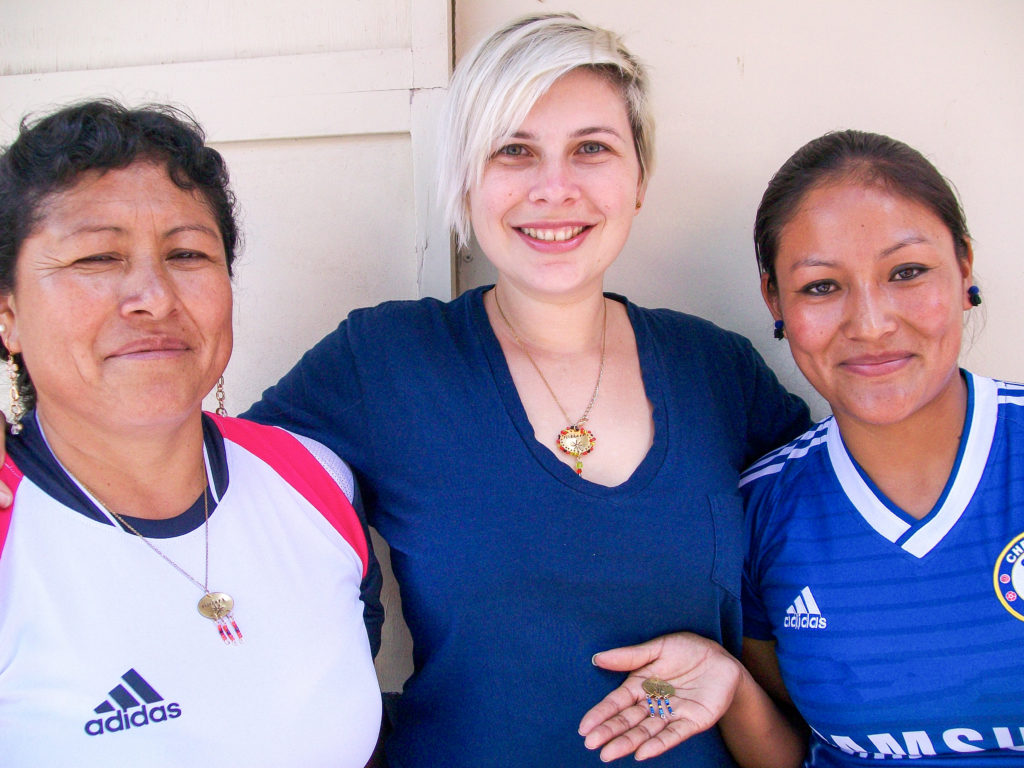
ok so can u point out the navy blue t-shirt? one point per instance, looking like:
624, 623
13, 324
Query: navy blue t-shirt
513, 570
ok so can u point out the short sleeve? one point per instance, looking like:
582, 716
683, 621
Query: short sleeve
369, 589
321, 397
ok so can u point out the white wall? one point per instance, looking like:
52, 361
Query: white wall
738, 86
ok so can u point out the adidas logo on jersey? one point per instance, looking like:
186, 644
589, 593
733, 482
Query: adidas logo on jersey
804, 613
128, 711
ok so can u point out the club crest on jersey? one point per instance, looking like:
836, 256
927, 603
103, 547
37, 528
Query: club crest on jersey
1008, 577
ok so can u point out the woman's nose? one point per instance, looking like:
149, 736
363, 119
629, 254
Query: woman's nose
148, 288
869, 313
556, 182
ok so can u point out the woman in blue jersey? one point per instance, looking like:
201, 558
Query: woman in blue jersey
531, 449
176, 588
882, 589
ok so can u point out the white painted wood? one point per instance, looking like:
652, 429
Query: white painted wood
328, 94
61, 35
431, 43
433, 242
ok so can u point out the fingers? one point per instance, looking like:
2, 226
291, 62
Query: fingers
614, 705
646, 738
628, 658
614, 727
639, 734
620, 726
673, 735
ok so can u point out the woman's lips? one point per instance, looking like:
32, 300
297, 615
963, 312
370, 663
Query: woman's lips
549, 234
553, 237
877, 365
151, 348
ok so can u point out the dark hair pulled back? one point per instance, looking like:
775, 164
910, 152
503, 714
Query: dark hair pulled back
869, 158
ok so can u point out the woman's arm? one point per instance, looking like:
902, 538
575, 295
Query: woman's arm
763, 728
710, 686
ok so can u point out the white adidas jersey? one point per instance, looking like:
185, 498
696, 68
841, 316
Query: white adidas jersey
105, 660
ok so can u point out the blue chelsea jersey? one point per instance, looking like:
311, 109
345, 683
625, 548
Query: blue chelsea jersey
896, 637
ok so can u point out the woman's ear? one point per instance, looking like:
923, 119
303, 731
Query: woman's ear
770, 294
967, 272
641, 192
9, 324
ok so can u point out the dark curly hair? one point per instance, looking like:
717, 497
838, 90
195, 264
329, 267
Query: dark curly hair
871, 158
52, 152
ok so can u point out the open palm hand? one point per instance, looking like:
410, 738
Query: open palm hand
705, 678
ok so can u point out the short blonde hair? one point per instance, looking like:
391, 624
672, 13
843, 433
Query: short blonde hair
496, 85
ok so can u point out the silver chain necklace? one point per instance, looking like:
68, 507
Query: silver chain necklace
218, 607
215, 606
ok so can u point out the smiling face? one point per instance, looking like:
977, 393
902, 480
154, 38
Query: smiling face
872, 294
122, 302
556, 201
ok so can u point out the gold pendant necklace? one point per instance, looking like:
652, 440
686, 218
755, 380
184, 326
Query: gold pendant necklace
218, 607
575, 440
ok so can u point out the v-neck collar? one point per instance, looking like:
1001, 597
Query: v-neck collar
650, 369
919, 537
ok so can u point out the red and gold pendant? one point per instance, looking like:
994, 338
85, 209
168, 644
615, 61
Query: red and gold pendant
218, 607
577, 441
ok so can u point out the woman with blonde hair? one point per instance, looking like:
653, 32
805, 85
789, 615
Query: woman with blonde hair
532, 449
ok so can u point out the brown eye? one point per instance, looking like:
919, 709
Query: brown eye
819, 288
907, 272
95, 259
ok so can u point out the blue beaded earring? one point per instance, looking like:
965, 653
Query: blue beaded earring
974, 295
779, 332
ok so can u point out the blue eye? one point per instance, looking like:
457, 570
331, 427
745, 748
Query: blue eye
512, 150
592, 148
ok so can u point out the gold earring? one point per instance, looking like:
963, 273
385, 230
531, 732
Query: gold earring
16, 409
219, 394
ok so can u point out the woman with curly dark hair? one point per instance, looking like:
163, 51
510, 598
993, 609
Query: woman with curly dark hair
176, 588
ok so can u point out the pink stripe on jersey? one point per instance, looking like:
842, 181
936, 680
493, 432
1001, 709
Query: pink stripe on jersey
11, 476
290, 459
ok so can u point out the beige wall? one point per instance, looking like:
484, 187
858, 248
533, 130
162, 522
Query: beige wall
739, 85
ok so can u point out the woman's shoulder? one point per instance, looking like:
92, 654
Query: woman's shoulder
278, 446
413, 312
675, 325
410, 334
785, 464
